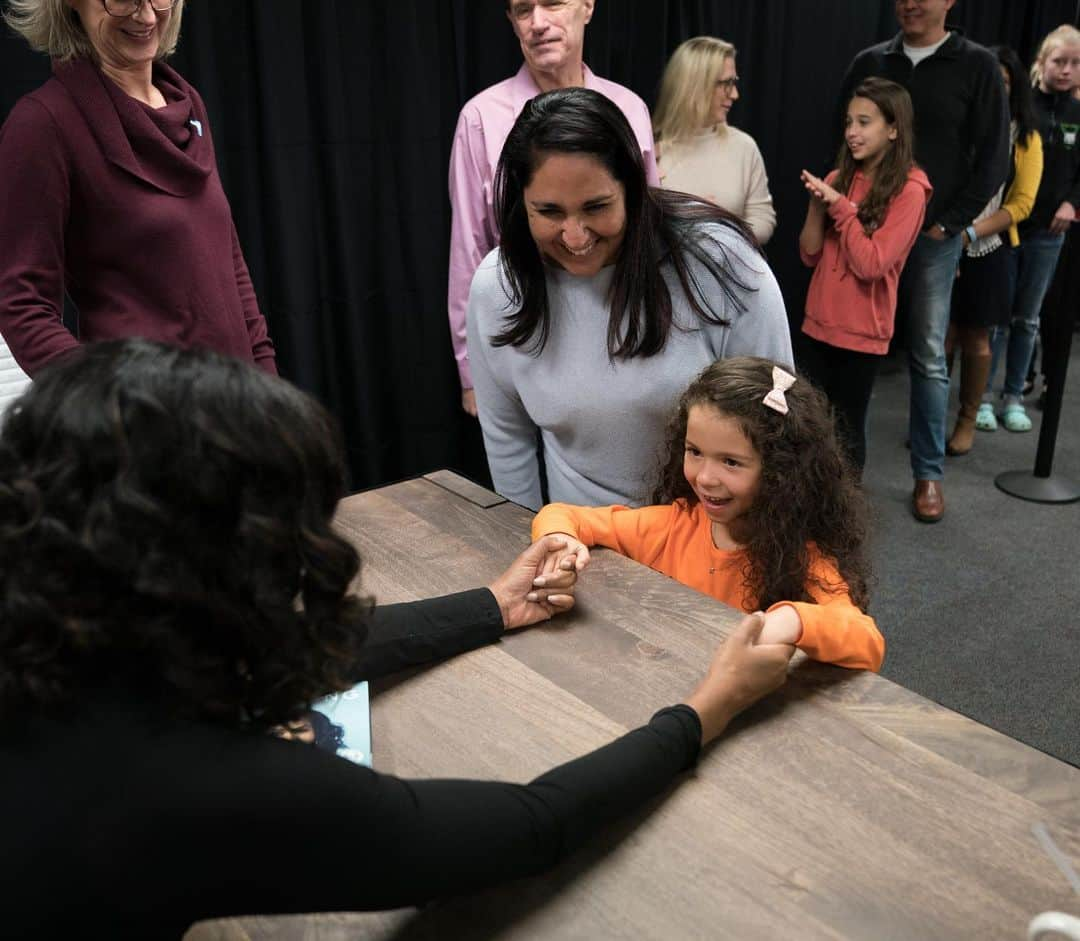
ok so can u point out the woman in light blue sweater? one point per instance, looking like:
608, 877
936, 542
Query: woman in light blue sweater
604, 298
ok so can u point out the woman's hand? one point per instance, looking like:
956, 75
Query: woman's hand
742, 671
526, 594
1063, 218
823, 194
782, 626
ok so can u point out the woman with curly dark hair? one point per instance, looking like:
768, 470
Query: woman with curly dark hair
756, 505
171, 590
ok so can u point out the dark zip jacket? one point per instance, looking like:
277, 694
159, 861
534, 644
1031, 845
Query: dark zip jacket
961, 120
1059, 124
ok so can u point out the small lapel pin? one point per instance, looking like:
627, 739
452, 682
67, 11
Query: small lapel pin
197, 125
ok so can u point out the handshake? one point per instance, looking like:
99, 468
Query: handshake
750, 663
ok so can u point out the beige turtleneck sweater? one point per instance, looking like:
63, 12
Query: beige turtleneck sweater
724, 166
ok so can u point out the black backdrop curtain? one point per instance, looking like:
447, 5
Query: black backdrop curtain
333, 121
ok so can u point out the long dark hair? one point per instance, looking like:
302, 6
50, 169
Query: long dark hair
894, 103
808, 492
1021, 105
661, 227
165, 527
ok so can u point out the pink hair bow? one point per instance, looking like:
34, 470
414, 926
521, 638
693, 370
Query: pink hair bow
775, 399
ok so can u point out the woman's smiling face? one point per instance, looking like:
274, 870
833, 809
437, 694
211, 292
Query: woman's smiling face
122, 41
576, 211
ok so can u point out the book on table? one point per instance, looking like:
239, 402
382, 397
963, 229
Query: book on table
342, 724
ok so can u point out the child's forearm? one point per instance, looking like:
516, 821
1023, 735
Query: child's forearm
838, 632
554, 518
812, 236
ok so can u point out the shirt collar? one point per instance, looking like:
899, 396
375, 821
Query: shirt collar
948, 50
523, 87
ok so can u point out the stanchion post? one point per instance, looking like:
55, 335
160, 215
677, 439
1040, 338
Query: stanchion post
1058, 314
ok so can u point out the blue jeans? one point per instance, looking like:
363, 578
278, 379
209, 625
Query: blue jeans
926, 294
1034, 261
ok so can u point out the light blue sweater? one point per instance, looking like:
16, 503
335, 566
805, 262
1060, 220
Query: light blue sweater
602, 420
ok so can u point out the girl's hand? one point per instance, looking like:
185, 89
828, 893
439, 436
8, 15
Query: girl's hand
526, 595
574, 556
819, 189
1063, 218
742, 671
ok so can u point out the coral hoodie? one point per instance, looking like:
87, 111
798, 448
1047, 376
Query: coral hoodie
851, 302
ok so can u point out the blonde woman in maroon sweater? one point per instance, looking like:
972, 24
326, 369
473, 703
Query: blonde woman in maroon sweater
110, 193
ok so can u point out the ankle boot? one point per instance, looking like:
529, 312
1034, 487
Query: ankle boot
974, 371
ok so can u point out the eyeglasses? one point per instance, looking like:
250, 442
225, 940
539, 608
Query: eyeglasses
728, 84
122, 8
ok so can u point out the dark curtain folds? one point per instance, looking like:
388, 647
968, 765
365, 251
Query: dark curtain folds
333, 121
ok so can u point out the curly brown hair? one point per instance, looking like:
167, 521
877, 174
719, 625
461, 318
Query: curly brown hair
808, 494
165, 527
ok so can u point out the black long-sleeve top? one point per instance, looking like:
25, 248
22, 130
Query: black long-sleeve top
961, 120
122, 821
1059, 126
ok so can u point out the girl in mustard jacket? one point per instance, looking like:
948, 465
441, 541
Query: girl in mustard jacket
983, 296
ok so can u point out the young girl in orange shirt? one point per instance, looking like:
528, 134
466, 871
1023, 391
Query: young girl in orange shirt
756, 505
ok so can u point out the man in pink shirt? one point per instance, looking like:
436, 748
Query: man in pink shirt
552, 35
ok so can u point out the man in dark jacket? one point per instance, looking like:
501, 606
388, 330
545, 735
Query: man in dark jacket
962, 142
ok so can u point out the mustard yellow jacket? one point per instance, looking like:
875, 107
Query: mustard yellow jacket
1020, 199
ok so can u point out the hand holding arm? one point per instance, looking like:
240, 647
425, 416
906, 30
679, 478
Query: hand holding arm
742, 671
782, 626
833, 628
574, 555
525, 594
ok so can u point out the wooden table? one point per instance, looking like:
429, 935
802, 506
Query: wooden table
843, 807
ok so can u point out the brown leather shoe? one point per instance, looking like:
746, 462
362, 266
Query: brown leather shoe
928, 501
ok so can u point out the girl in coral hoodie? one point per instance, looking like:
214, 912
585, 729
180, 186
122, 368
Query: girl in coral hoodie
860, 226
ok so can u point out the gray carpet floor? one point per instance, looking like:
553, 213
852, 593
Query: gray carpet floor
981, 611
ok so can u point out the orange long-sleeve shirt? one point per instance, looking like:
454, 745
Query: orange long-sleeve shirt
677, 541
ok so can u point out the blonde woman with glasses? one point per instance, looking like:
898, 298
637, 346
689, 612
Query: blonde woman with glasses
110, 194
698, 151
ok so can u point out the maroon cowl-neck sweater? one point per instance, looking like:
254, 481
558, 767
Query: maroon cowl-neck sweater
121, 205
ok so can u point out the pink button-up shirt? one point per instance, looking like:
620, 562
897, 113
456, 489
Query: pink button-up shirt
482, 129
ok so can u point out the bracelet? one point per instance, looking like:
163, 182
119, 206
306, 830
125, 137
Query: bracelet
972, 237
